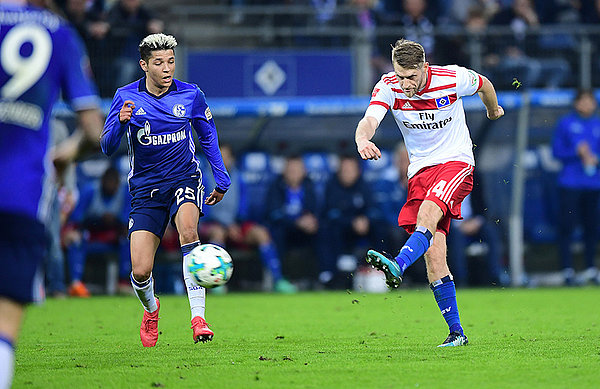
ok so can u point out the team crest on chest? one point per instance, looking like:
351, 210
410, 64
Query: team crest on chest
179, 110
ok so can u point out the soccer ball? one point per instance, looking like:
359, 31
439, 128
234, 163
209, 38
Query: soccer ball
209, 265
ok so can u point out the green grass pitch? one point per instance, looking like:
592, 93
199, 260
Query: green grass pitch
519, 338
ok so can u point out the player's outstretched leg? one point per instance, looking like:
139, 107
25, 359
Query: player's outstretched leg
149, 327
416, 245
385, 263
201, 331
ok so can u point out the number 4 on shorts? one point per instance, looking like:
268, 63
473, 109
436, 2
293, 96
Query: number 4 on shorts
438, 189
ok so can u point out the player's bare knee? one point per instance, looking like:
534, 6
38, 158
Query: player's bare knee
142, 274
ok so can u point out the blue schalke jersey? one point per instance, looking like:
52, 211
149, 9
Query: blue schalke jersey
40, 56
159, 135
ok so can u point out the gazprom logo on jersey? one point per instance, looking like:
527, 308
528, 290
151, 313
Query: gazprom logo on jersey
442, 101
144, 137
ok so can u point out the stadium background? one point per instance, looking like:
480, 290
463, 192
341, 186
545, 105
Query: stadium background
283, 78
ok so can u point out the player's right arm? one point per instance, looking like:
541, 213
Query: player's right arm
117, 122
382, 99
364, 133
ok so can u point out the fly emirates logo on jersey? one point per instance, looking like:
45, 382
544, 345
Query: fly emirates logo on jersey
427, 121
146, 139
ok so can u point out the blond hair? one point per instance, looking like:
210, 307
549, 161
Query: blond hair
155, 42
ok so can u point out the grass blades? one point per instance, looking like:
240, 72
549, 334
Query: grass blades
519, 338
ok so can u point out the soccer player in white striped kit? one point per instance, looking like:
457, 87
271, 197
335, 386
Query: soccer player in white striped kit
427, 106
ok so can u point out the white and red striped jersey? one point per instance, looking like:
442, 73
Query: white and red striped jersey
432, 122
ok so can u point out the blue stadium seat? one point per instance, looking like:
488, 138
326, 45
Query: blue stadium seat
256, 173
320, 166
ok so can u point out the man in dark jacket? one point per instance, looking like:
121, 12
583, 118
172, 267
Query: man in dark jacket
352, 221
292, 209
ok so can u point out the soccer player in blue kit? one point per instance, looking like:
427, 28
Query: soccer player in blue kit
41, 56
157, 113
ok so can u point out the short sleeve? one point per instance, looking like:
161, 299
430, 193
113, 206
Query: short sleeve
468, 82
382, 99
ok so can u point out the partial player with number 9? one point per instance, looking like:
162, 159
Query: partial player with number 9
41, 58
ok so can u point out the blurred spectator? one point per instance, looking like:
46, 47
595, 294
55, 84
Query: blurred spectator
61, 205
368, 17
91, 26
352, 222
517, 52
417, 26
457, 48
577, 144
98, 224
395, 188
397, 197
460, 10
590, 15
558, 11
590, 12
227, 225
130, 21
292, 209
476, 235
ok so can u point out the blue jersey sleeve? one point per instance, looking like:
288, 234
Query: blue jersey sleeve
204, 126
113, 129
77, 84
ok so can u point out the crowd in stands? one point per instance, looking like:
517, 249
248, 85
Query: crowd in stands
326, 209
335, 205
112, 30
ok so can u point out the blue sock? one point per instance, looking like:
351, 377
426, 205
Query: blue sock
186, 248
415, 246
76, 253
270, 259
445, 295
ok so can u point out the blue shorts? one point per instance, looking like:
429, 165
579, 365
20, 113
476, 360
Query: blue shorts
151, 210
22, 250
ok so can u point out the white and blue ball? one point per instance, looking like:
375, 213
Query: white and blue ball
209, 265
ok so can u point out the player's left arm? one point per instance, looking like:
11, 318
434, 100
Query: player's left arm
488, 96
204, 125
79, 89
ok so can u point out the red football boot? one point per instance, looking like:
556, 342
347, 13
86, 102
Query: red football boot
149, 327
201, 331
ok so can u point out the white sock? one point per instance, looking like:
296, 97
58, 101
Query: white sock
145, 293
7, 362
196, 294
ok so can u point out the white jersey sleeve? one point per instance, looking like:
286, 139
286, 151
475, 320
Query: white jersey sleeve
382, 99
468, 82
